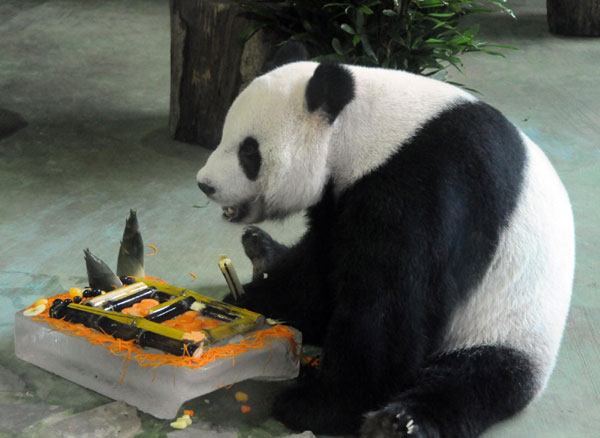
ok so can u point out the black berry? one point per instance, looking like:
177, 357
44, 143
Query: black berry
127, 280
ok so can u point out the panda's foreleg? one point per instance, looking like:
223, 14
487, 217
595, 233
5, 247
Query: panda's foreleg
377, 337
262, 250
347, 385
372, 348
458, 395
292, 290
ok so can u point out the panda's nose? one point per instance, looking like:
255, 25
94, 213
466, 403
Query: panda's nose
208, 190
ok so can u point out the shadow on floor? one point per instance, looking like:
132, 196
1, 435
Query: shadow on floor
10, 123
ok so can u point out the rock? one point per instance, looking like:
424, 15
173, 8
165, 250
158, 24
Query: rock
10, 382
204, 430
305, 434
113, 420
16, 417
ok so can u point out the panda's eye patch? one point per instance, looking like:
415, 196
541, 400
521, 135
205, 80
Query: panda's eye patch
249, 157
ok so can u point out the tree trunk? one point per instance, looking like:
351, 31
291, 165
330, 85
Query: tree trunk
574, 17
209, 64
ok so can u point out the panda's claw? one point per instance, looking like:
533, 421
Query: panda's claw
261, 249
392, 423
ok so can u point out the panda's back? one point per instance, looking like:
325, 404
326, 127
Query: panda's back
523, 299
470, 162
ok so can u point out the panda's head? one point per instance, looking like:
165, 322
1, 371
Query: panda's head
273, 155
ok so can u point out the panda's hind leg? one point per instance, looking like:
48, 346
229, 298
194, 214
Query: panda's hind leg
458, 395
261, 249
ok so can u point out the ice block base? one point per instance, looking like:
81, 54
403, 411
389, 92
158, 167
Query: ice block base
158, 391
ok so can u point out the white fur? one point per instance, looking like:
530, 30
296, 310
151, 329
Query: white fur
388, 109
271, 109
523, 300
389, 106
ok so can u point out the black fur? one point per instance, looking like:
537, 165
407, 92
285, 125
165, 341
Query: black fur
10, 122
291, 51
330, 89
379, 272
261, 249
459, 394
249, 157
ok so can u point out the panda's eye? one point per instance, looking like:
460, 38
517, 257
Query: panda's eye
249, 157
249, 146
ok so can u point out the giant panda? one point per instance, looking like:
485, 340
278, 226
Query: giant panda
437, 266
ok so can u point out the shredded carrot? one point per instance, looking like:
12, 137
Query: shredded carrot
241, 397
193, 275
154, 248
192, 321
188, 412
128, 357
270, 358
142, 308
195, 337
245, 409
159, 280
311, 361
129, 350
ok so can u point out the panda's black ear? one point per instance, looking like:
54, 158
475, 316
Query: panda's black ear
292, 51
330, 89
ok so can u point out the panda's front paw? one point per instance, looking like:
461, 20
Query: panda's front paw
230, 299
392, 422
261, 249
307, 406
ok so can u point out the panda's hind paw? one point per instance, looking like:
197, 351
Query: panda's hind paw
261, 249
390, 422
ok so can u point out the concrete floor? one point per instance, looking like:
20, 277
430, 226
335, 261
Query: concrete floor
84, 93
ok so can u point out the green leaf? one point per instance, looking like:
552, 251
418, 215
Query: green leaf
501, 46
503, 8
360, 21
329, 5
399, 40
472, 31
492, 52
329, 57
458, 84
368, 49
421, 36
337, 46
304, 37
347, 28
251, 30
365, 10
417, 43
430, 3
459, 40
